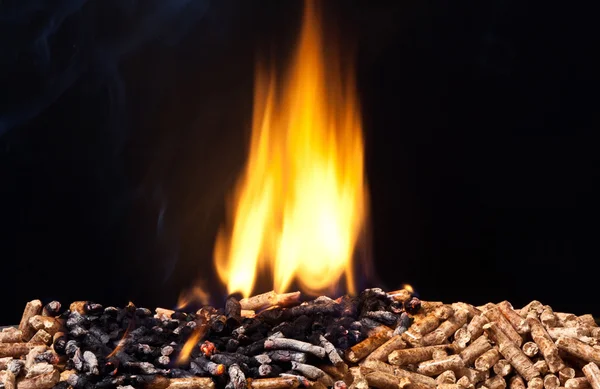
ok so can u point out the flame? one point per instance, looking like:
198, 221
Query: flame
193, 295
300, 204
408, 287
121, 343
192, 342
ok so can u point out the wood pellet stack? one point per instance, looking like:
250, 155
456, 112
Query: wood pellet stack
270, 341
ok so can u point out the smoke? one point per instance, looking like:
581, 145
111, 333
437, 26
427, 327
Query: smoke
47, 46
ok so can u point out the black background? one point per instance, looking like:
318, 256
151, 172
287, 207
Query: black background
123, 126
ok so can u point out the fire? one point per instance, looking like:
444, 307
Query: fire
300, 204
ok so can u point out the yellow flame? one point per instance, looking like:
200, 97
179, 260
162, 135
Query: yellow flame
192, 295
408, 287
191, 342
300, 204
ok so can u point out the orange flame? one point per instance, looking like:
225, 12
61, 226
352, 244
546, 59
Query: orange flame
192, 342
300, 204
195, 294
121, 343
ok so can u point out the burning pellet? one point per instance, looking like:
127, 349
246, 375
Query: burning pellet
547, 347
475, 349
446, 377
516, 382
274, 383
42, 381
293, 344
432, 367
551, 381
383, 351
495, 382
32, 308
502, 368
535, 383
592, 373
47, 323
11, 336
548, 318
577, 383
191, 383
518, 323
447, 328
577, 348
565, 374
209, 366
14, 349
530, 349
488, 359
312, 372
40, 337
413, 355
331, 351
494, 314
379, 379
269, 299
541, 366
512, 352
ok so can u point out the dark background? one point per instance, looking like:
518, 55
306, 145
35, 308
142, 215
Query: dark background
124, 124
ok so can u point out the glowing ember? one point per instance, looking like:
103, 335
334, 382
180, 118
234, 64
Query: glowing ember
299, 206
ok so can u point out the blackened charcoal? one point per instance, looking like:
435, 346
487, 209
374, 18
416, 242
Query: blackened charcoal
77, 359
61, 385
75, 320
163, 360
413, 305
167, 350
143, 368
71, 347
232, 345
111, 312
384, 317
179, 315
218, 323
325, 308
368, 324
335, 331
301, 326
99, 334
180, 373
356, 325
145, 349
90, 362
123, 358
348, 306
92, 343
233, 310
48, 357
93, 308
229, 359
60, 345
171, 324
143, 312
150, 322
397, 307
52, 308
272, 316
344, 342
77, 332
373, 299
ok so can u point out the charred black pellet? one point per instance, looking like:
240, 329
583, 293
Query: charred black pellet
52, 308
413, 305
218, 323
60, 344
63, 385
179, 373
75, 320
111, 312
91, 308
143, 312
232, 345
233, 309
384, 317
179, 315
